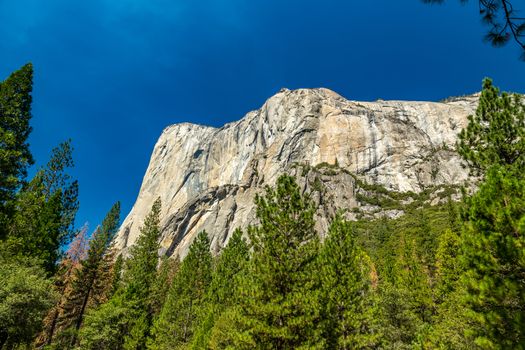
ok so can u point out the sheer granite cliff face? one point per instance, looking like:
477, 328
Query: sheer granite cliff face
207, 177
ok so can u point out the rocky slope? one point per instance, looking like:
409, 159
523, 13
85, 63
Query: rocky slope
347, 153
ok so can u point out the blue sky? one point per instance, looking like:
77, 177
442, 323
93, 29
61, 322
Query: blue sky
111, 74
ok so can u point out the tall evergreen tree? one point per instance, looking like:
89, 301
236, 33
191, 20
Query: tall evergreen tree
139, 279
494, 256
450, 322
116, 277
124, 321
63, 279
34, 229
495, 135
15, 157
349, 311
45, 210
223, 290
86, 280
493, 236
168, 269
406, 302
176, 324
279, 295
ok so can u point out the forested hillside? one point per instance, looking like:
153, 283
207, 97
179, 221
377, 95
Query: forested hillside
444, 276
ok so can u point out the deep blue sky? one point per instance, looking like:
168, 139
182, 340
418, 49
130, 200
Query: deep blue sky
111, 74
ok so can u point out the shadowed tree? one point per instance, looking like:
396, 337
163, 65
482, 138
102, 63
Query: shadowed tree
15, 157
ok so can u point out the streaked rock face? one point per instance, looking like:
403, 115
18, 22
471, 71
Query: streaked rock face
207, 177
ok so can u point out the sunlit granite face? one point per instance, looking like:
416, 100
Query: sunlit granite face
207, 177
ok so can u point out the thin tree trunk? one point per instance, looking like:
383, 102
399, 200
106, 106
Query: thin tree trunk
78, 323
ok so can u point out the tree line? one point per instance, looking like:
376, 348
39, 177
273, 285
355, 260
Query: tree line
450, 276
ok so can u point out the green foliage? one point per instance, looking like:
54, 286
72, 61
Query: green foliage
223, 291
15, 157
139, 278
141, 266
116, 275
448, 265
494, 256
105, 327
495, 135
177, 322
406, 301
45, 210
349, 312
89, 285
35, 226
124, 321
25, 296
56, 180
159, 290
279, 305
230, 331
383, 239
450, 323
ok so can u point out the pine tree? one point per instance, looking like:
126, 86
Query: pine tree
86, 281
56, 181
450, 323
349, 312
131, 306
279, 294
176, 324
223, 290
496, 133
139, 279
116, 276
73, 257
166, 272
494, 257
15, 157
493, 236
406, 302
45, 210
34, 229
449, 269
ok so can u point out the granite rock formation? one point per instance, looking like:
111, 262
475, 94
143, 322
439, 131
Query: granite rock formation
339, 150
